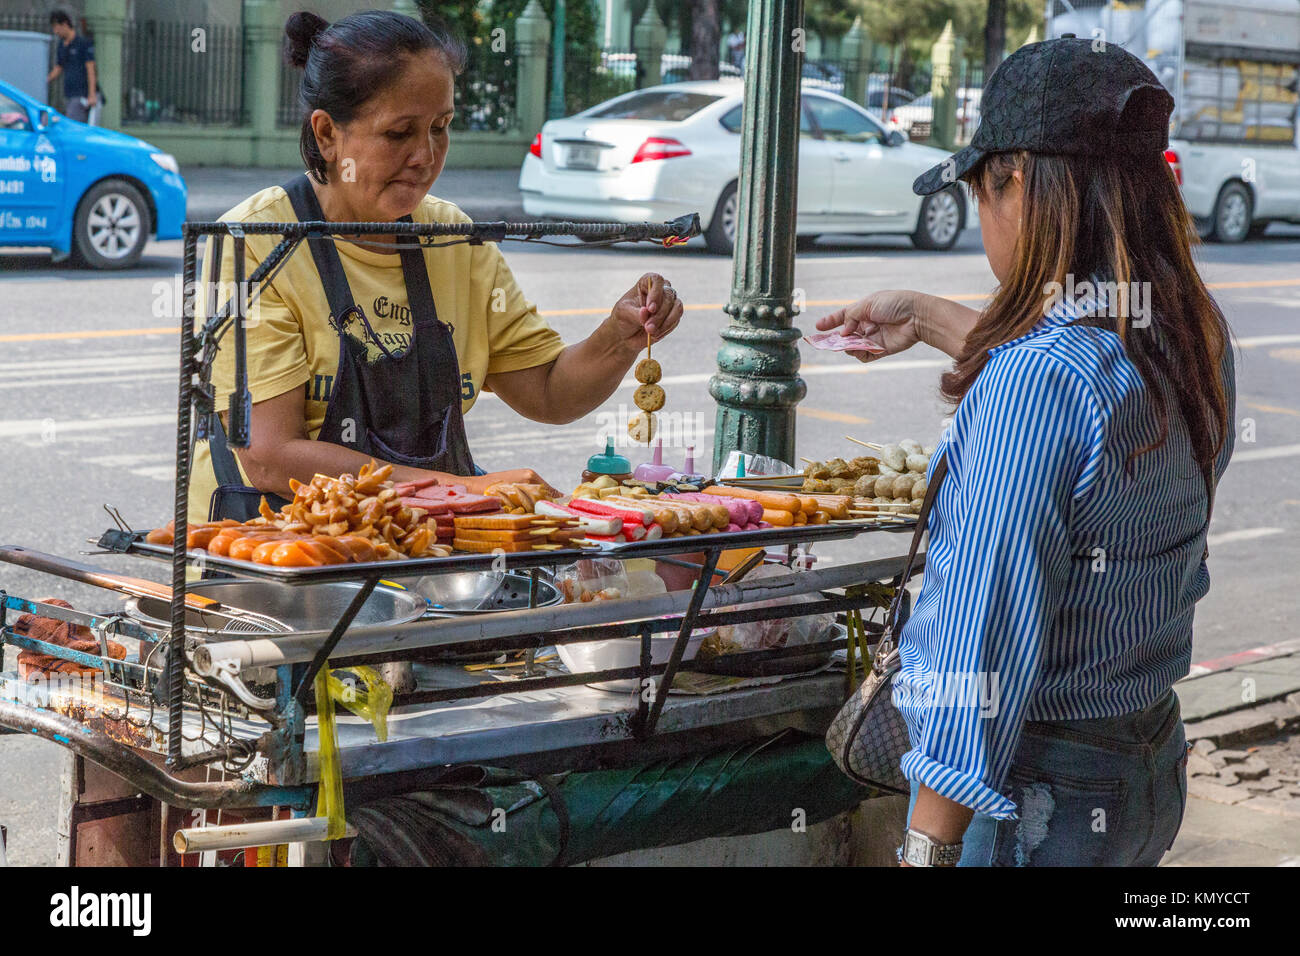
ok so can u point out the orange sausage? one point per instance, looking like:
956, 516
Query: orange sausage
165, 535
200, 536
770, 500
807, 505
778, 516
263, 552
293, 554
341, 553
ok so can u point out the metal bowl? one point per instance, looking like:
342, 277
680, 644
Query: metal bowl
302, 607
479, 592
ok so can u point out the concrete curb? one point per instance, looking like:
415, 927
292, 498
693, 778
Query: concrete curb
1249, 723
1266, 652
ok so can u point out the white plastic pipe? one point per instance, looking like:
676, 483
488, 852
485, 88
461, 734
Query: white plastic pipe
261, 833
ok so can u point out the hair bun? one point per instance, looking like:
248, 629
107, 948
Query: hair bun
300, 30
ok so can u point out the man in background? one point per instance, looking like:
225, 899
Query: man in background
76, 64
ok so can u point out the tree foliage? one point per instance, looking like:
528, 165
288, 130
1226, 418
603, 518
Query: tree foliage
916, 24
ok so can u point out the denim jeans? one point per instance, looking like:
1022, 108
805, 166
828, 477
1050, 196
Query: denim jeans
1109, 791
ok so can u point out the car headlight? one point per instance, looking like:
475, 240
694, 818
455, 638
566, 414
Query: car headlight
167, 161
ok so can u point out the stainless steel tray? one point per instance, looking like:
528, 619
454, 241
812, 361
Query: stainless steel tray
135, 544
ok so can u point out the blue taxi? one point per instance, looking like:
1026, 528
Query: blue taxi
95, 194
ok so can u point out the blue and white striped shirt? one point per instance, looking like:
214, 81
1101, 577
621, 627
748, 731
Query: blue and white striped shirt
1058, 585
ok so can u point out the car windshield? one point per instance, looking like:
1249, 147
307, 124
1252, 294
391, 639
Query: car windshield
665, 106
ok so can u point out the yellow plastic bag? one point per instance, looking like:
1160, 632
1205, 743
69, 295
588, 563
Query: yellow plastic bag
369, 696
369, 701
329, 796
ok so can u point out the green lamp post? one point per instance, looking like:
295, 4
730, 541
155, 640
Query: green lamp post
757, 385
555, 109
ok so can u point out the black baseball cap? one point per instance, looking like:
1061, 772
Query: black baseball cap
1069, 96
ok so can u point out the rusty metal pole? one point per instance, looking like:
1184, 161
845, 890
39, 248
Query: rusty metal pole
757, 386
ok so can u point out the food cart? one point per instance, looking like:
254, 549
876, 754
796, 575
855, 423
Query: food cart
213, 743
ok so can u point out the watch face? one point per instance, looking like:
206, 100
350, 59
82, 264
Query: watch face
920, 850
916, 849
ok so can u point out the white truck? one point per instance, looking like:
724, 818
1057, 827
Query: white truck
1232, 67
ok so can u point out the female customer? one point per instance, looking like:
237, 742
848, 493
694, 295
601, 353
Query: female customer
1094, 400
365, 347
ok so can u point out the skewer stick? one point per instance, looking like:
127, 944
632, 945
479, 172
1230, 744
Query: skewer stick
807, 461
865, 444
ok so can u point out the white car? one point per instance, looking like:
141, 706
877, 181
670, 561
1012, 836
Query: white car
668, 151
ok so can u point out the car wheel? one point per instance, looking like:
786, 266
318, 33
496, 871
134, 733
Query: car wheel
1231, 222
940, 221
111, 227
721, 234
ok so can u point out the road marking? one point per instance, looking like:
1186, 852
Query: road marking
87, 334
832, 416
23, 427
1245, 534
1285, 355
99, 380
1253, 284
558, 313
1261, 407
1259, 454
1257, 341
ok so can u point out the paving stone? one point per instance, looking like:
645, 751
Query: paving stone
1252, 769
1286, 808
1233, 756
1216, 760
1208, 790
1204, 747
1264, 786
1198, 765
1227, 778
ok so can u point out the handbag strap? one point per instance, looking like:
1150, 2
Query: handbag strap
922, 520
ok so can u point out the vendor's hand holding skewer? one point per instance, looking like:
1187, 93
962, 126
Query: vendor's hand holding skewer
651, 307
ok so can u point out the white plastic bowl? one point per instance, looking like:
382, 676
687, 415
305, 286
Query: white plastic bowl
625, 652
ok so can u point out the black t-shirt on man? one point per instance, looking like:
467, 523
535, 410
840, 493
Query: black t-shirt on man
73, 57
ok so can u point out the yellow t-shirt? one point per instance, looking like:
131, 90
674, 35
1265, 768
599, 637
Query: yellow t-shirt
293, 343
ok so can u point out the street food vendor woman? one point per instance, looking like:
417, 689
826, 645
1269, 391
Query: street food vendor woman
364, 347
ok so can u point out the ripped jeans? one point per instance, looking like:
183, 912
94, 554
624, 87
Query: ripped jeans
1109, 791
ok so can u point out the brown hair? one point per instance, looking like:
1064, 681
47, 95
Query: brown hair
1086, 215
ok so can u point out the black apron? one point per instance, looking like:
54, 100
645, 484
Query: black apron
403, 409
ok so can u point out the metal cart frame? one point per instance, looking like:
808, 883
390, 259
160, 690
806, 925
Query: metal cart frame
282, 776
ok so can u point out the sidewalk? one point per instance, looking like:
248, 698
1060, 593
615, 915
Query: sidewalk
1243, 806
485, 194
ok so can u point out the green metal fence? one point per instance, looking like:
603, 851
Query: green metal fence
183, 73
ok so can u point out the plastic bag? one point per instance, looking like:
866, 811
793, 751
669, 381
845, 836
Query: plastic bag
592, 579
767, 635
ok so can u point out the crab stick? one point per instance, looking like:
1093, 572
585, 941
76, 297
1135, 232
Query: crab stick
592, 524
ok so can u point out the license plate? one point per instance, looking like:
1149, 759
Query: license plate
582, 157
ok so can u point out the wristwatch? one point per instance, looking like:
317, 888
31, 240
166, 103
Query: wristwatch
919, 850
